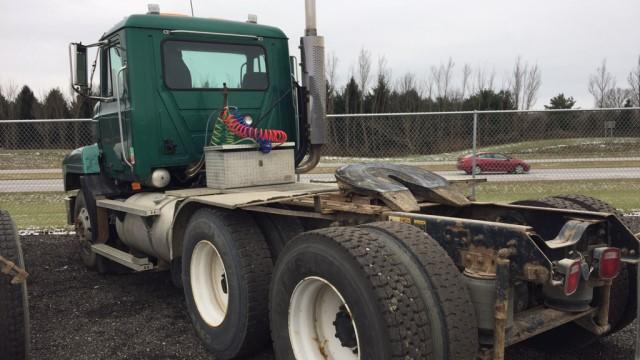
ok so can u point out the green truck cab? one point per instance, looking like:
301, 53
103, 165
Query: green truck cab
161, 90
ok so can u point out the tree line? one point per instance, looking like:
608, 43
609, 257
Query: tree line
449, 88
374, 89
24, 105
476, 89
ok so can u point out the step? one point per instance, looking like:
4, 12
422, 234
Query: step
129, 208
122, 258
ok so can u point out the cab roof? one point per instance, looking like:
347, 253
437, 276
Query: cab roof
179, 22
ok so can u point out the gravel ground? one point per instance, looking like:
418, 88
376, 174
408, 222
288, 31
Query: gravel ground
76, 314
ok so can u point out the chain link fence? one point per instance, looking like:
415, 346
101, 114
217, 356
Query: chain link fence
594, 152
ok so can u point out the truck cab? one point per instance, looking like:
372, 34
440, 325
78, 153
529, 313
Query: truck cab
163, 80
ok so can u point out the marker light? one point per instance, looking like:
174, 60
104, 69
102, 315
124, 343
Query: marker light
572, 272
607, 261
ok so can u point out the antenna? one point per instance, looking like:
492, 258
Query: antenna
191, 3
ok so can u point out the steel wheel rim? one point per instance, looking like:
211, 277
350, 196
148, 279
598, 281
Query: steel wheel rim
314, 309
519, 169
83, 230
209, 284
476, 170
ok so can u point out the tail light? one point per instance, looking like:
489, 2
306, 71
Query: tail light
572, 273
607, 261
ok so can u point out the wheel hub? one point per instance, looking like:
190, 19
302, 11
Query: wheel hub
345, 332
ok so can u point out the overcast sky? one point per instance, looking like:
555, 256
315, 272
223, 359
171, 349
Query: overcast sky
567, 38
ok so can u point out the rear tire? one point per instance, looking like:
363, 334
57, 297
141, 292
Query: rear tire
14, 306
451, 314
374, 310
226, 268
278, 230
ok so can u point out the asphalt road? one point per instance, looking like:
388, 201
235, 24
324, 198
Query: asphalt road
534, 175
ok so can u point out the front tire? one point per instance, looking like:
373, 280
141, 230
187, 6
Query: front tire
344, 293
226, 268
519, 169
14, 305
84, 232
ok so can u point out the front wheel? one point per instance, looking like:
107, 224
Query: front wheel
226, 267
519, 169
477, 170
84, 231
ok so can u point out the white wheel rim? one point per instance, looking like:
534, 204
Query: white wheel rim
477, 170
519, 169
83, 225
313, 313
209, 283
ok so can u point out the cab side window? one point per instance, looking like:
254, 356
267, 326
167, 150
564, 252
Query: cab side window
112, 61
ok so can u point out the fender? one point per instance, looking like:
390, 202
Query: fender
81, 161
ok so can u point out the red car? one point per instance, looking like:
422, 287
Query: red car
492, 162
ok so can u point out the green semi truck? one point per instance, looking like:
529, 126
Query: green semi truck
202, 128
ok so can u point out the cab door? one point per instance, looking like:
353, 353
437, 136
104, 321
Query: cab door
112, 113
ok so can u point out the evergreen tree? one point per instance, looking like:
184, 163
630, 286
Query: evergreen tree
490, 100
25, 109
561, 102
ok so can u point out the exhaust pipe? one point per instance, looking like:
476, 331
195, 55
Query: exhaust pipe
311, 28
313, 79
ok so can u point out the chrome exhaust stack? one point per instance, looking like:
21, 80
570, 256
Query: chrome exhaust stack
313, 79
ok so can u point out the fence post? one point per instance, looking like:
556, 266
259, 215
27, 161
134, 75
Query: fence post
473, 158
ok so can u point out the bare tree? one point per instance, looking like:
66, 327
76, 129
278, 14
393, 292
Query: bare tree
384, 72
524, 84
332, 71
466, 75
616, 98
600, 83
533, 80
11, 90
407, 83
331, 74
483, 80
634, 82
517, 81
364, 73
442, 75
427, 87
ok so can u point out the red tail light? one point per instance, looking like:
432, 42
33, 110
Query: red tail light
572, 272
608, 262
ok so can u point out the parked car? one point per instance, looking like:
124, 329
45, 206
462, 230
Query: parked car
492, 162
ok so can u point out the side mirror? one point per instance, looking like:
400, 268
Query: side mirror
78, 62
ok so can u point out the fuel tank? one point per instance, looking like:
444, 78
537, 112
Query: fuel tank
150, 235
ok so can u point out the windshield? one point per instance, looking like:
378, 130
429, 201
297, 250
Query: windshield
204, 65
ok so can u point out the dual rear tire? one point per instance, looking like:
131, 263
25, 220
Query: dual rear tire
377, 291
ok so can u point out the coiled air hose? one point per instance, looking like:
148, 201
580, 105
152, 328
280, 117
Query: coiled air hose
236, 125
